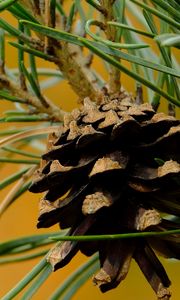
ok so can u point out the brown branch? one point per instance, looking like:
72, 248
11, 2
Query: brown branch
54, 112
71, 62
32, 7
75, 69
171, 110
1, 66
139, 94
114, 75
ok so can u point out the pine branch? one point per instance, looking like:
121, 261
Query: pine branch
55, 113
78, 74
70, 61
88, 150
114, 75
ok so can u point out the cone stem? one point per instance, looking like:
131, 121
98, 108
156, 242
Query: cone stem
111, 34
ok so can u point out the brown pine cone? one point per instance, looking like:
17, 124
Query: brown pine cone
114, 169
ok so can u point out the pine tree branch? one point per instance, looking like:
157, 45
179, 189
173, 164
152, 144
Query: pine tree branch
73, 65
32, 6
114, 75
70, 61
54, 112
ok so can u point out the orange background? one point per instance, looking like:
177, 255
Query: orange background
20, 220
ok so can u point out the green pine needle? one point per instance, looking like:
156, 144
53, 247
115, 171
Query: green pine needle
27, 279
5, 4
15, 259
76, 279
38, 282
106, 237
7, 96
132, 74
21, 152
74, 39
109, 43
158, 13
27, 243
33, 51
124, 26
19, 161
12, 178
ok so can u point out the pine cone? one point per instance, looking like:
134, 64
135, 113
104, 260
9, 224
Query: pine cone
114, 169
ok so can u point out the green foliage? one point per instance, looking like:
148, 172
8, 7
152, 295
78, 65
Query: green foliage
115, 236
76, 279
156, 70
140, 79
5, 4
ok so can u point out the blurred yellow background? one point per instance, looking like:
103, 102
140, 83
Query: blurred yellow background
20, 220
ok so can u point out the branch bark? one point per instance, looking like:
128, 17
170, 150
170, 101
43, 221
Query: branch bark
81, 78
114, 76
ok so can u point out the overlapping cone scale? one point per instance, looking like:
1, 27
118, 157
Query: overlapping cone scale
115, 168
